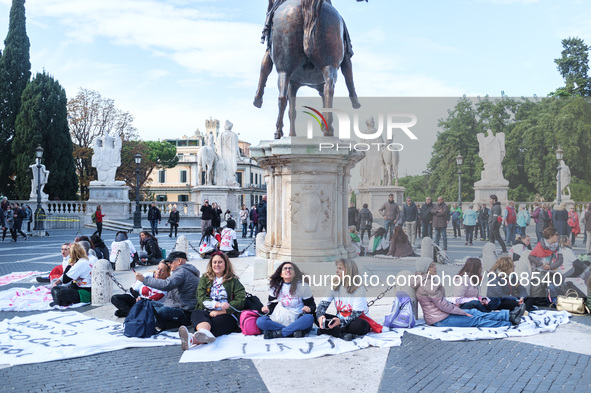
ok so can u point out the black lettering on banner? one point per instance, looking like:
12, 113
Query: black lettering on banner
19, 336
282, 346
64, 333
268, 347
56, 318
81, 321
42, 341
310, 347
244, 348
331, 343
38, 326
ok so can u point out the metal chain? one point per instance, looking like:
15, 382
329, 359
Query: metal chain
381, 295
247, 247
190, 245
117, 282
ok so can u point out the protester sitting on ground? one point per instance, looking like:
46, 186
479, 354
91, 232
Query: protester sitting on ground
503, 288
57, 271
89, 251
100, 247
356, 241
208, 243
521, 244
74, 286
350, 303
125, 301
378, 244
181, 298
400, 245
571, 266
291, 306
229, 242
467, 286
438, 311
545, 254
121, 236
151, 253
218, 234
220, 298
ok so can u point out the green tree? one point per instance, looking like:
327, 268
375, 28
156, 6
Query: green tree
155, 154
416, 187
573, 65
15, 72
42, 120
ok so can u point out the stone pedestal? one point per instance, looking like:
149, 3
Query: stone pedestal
375, 196
182, 244
307, 199
225, 196
102, 285
122, 255
482, 194
114, 200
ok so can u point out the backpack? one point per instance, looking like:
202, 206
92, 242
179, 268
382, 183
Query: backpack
402, 315
93, 217
439, 255
248, 323
141, 320
511, 217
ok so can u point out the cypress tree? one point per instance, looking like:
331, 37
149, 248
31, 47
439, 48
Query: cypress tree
15, 72
43, 120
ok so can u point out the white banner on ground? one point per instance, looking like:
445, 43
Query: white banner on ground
535, 323
59, 335
18, 276
239, 346
31, 299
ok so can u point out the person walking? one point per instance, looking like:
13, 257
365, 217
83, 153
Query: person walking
456, 220
573, 224
173, 220
8, 223
98, 219
154, 217
440, 219
411, 215
254, 221
483, 220
391, 212
19, 215
523, 220
470, 217
28, 216
510, 220
494, 221
365, 221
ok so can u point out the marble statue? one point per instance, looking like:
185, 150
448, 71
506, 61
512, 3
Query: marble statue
205, 161
378, 168
228, 154
492, 152
40, 177
564, 180
106, 159
390, 160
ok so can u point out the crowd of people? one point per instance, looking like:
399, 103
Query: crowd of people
12, 218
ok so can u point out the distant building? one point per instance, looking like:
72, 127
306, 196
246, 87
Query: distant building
175, 184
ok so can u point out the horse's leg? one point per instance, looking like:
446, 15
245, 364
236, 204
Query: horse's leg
347, 70
293, 90
198, 173
282, 85
266, 68
330, 79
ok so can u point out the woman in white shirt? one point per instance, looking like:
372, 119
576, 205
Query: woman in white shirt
229, 243
75, 284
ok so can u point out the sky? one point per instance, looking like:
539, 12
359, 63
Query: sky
175, 63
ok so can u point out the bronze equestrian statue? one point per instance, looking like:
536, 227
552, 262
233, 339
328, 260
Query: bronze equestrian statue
308, 42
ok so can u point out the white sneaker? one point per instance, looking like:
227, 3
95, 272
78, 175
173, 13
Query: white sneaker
187, 340
203, 336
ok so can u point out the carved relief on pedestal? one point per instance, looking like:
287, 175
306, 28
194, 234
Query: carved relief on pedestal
311, 208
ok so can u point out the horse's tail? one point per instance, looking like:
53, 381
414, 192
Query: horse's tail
311, 11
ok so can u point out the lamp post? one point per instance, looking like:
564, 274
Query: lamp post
459, 161
137, 216
38, 209
559, 154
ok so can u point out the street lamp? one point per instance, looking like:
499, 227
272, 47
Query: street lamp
38, 210
559, 154
137, 216
459, 161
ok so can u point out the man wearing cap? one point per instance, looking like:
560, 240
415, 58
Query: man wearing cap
182, 292
206, 216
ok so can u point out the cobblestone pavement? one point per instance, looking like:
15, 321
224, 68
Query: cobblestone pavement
419, 365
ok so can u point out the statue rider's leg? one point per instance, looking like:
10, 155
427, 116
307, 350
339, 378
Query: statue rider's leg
266, 68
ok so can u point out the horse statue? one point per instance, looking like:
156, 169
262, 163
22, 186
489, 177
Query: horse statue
205, 161
390, 160
309, 45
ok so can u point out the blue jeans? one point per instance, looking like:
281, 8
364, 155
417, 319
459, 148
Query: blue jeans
510, 235
304, 322
244, 229
438, 233
427, 229
154, 226
484, 233
171, 317
389, 227
478, 319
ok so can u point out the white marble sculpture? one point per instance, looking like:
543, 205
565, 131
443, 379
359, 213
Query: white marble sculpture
42, 180
378, 168
106, 159
492, 152
206, 159
228, 153
564, 180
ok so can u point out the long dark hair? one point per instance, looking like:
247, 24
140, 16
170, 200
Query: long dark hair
380, 232
472, 268
399, 236
208, 233
276, 281
148, 236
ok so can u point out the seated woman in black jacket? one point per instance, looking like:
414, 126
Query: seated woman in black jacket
150, 254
